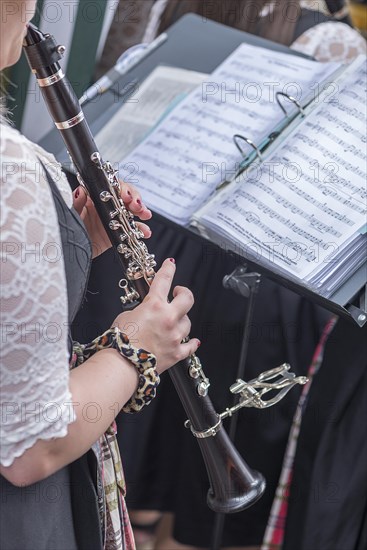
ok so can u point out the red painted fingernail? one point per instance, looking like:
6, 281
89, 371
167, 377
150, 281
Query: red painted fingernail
172, 260
77, 192
199, 343
139, 202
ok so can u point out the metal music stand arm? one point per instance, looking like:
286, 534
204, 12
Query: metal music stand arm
245, 284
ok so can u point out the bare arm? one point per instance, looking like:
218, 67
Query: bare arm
100, 387
103, 384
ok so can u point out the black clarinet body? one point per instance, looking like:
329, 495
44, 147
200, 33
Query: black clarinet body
233, 485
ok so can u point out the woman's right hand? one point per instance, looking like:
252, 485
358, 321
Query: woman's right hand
108, 381
159, 326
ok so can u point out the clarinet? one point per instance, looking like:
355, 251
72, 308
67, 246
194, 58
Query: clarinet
233, 485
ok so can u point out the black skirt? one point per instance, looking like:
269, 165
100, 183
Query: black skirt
328, 504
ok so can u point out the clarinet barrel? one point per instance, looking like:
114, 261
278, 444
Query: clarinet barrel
233, 485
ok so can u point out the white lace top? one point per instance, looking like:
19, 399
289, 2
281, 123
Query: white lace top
34, 370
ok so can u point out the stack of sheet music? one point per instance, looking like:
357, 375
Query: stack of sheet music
295, 197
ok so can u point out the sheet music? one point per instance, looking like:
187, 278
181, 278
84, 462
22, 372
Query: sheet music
182, 161
307, 201
143, 109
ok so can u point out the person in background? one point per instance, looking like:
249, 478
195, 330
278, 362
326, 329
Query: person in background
318, 28
327, 506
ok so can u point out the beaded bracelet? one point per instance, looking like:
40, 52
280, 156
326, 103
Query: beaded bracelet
144, 361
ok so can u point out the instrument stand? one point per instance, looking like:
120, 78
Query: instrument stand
247, 285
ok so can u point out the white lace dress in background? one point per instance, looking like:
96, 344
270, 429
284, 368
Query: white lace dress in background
34, 364
331, 41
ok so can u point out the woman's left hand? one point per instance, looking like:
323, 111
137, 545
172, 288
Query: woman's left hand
83, 204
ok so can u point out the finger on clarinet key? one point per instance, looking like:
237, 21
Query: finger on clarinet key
145, 229
132, 199
162, 281
183, 300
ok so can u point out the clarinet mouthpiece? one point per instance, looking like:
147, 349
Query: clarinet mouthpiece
42, 52
33, 36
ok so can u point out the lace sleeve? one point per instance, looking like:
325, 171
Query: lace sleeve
331, 41
34, 384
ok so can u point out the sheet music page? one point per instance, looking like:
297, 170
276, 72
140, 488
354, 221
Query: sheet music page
143, 109
183, 160
307, 200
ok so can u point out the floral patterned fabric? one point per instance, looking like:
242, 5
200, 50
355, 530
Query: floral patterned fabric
115, 523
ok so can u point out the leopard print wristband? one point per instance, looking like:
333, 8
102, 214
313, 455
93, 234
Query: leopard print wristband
144, 361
